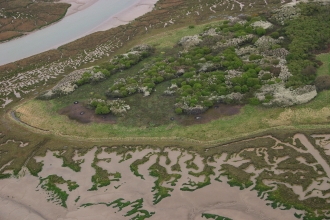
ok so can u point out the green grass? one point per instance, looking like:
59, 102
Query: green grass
57, 194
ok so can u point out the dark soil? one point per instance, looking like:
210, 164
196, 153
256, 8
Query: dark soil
214, 113
82, 114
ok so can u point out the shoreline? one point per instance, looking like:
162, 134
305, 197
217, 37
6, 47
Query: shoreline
127, 15
123, 15
77, 5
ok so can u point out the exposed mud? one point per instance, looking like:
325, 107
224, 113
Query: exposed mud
82, 114
218, 111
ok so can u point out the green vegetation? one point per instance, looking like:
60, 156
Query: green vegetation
34, 166
101, 177
192, 185
135, 165
213, 216
236, 176
308, 33
160, 172
136, 206
67, 155
284, 196
77, 199
5, 176
57, 195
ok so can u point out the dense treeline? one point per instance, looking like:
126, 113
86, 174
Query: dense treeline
308, 33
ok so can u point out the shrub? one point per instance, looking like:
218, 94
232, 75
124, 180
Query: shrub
275, 35
102, 110
254, 101
237, 89
208, 103
266, 76
178, 111
260, 31
275, 62
191, 26
255, 57
322, 82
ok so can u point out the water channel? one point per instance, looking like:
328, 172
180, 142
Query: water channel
68, 29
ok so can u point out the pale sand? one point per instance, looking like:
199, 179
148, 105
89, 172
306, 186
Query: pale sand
77, 5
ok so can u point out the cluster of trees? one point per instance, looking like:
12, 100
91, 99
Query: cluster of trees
308, 33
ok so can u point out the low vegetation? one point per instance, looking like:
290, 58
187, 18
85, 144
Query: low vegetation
57, 195
136, 212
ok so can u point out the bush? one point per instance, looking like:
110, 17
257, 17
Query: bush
178, 111
275, 35
237, 89
191, 26
322, 82
102, 110
275, 62
266, 76
255, 57
260, 31
254, 101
